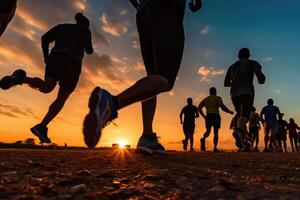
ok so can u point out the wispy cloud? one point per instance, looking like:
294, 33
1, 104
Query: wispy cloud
113, 26
206, 73
268, 59
205, 30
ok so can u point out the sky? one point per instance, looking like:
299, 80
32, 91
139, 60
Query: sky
214, 35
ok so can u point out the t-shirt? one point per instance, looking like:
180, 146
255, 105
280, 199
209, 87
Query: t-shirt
189, 112
270, 112
253, 120
241, 74
282, 125
212, 104
71, 39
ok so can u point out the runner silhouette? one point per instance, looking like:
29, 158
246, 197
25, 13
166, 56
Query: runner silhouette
7, 12
190, 112
240, 78
293, 135
254, 127
161, 32
212, 103
282, 132
63, 66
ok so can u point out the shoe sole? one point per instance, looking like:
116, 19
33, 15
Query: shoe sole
40, 136
91, 128
6, 82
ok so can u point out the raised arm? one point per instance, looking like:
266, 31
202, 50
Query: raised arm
195, 5
134, 3
200, 108
259, 74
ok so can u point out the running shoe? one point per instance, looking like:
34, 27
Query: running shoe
192, 150
17, 78
41, 132
184, 144
216, 150
202, 145
102, 112
149, 145
237, 134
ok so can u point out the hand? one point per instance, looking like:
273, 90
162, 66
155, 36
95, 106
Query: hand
195, 5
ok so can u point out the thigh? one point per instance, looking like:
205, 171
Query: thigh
208, 121
216, 122
237, 102
246, 105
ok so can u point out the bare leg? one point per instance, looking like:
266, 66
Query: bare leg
148, 111
44, 86
191, 141
56, 106
284, 145
216, 137
257, 141
144, 89
207, 133
292, 143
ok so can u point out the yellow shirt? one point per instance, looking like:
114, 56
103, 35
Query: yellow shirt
212, 104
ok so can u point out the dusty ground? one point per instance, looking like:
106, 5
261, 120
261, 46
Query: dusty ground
36, 174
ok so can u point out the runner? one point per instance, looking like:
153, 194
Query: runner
269, 116
160, 26
190, 112
281, 133
212, 103
240, 78
7, 12
254, 127
293, 135
63, 66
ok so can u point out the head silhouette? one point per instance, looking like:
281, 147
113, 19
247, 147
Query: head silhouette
280, 116
292, 121
213, 91
253, 109
190, 101
270, 102
82, 20
244, 53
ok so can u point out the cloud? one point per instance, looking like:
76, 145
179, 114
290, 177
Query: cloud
14, 111
268, 59
171, 93
277, 91
205, 30
113, 26
206, 73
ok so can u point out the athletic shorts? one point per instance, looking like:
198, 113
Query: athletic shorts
5, 18
243, 104
188, 129
213, 120
161, 32
253, 131
271, 130
63, 68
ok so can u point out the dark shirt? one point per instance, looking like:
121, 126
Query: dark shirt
271, 112
241, 75
71, 39
282, 125
6, 6
190, 112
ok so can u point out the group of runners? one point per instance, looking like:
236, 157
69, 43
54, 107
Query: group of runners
161, 33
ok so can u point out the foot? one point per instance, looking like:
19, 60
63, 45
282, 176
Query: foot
216, 150
202, 145
184, 144
149, 145
192, 150
267, 150
17, 78
41, 132
102, 112
237, 134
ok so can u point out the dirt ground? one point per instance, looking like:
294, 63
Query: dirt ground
119, 174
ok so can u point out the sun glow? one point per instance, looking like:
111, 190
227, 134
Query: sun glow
122, 144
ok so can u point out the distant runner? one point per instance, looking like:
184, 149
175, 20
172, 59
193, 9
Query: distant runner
269, 116
212, 103
161, 32
63, 66
7, 12
240, 78
190, 112
282, 132
254, 127
293, 135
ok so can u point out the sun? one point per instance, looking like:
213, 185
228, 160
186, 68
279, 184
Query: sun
122, 144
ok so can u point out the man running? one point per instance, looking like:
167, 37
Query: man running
63, 66
212, 103
269, 118
7, 12
254, 127
293, 135
240, 78
161, 31
190, 112
282, 132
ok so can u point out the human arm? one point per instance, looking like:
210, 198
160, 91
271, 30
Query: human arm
180, 116
196, 112
262, 116
88, 45
195, 5
46, 39
200, 108
134, 3
228, 80
259, 74
224, 108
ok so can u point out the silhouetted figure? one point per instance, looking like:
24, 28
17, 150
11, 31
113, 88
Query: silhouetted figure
161, 31
254, 127
66, 146
240, 78
293, 135
7, 12
190, 112
281, 135
269, 118
63, 66
212, 103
